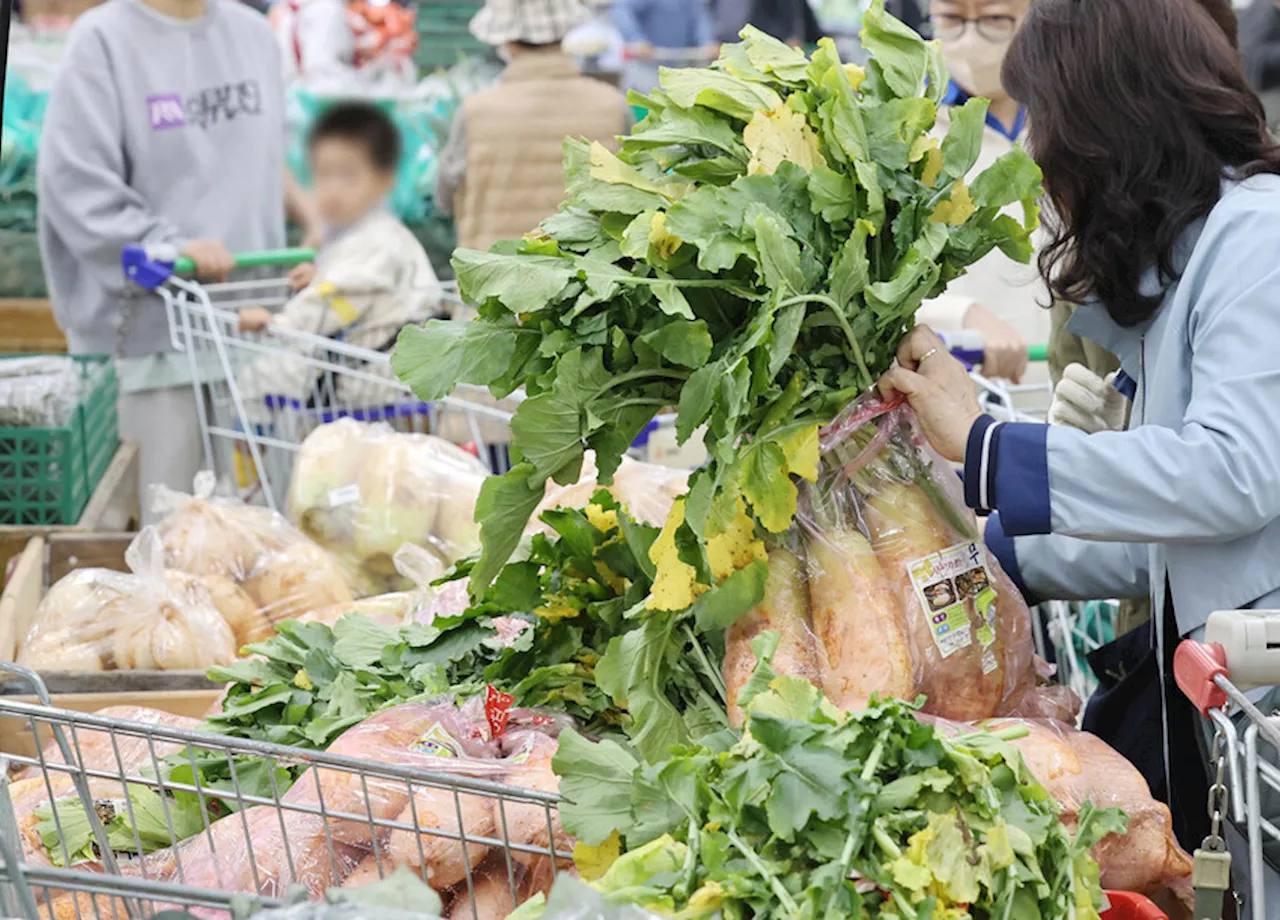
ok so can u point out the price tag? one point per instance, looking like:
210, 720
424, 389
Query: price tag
497, 709
347, 495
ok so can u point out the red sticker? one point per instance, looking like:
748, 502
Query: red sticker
542, 720
497, 709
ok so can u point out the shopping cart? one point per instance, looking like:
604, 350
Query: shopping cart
1240, 651
250, 428
251, 837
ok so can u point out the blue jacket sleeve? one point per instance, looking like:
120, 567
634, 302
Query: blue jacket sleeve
626, 16
704, 27
1211, 480
1058, 568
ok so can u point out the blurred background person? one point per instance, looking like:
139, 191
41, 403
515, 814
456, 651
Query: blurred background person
502, 170
998, 298
793, 21
663, 33
1260, 48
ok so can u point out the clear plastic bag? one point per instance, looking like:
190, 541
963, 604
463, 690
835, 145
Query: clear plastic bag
364, 490
883, 585
646, 490
97, 619
104, 751
40, 391
1077, 767
256, 565
419, 567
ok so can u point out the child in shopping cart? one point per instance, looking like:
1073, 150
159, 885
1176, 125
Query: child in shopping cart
370, 278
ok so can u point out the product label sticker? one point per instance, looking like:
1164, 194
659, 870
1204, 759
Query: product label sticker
436, 742
945, 584
347, 495
497, 709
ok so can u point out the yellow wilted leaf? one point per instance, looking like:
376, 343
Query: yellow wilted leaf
663, 242
608, 168
736, 548
857, 76
675, 586
611, 578
601, 520
556, 610
932, 167
801, 450
920, 146
594, 862
704, 902
781, 136
956, 209
302, 680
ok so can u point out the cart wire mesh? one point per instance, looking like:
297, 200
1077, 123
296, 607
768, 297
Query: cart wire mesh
259, 394
343, 820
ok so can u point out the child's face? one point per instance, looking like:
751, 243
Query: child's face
348, 184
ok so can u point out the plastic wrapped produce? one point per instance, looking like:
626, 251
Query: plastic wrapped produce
247, 557
95, 749
1077, 767
138, 620
364, 490
904, 598
40, 391
419, 567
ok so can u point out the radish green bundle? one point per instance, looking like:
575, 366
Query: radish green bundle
753, 255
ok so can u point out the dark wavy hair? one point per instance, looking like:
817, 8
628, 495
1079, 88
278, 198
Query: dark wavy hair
1136, 109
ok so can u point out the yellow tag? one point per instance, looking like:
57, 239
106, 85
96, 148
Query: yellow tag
347, 314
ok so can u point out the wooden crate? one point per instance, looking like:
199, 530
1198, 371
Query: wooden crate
45, 560
28, 327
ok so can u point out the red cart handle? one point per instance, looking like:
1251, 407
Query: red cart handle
1125, 905
1196, 668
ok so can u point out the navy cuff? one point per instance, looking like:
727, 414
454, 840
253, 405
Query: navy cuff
979, 480
1020, 465
1001, 546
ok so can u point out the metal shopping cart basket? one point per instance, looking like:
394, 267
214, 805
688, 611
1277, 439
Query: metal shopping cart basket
250, 426
249, 835
1240, 653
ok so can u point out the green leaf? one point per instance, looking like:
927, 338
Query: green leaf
767, 486
1013, 177
434, 358
697, 397
671, 299
894, 126
773, 57
832, 193
359, 641
596, 782
523, 284
682, 342
779, 256
850, 271
898, 49
720, 607
690, 127
503, 510
550, 427
717, 91
963, 143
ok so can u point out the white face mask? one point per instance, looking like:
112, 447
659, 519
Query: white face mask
975, 63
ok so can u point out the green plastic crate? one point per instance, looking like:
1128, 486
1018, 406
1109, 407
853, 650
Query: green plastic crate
47, 475
444, 36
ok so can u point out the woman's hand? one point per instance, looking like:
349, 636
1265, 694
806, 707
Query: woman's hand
938, 389
1004, 352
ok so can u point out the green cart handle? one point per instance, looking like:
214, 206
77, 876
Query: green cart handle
1038, 353
272, 258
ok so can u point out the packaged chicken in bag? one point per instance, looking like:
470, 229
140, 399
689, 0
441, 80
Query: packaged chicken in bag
888, 569
97, 619
364, 490
256, 565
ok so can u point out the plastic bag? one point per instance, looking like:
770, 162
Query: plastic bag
883, 585
38, 392
95, 749
646, 490
370, 826
416, 565
258, 567
1077, 767
364, 490
97, 619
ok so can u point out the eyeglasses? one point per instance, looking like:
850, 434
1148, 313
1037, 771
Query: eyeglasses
993, 28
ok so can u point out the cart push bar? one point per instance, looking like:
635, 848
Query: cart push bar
151, 266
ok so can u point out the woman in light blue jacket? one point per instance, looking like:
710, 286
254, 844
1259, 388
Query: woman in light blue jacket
1166, 191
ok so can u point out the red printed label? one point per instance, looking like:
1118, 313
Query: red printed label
497, 709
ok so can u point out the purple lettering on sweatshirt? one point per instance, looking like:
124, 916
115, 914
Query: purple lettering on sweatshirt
166, 112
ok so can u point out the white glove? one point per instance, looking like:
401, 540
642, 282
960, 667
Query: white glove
1087, 402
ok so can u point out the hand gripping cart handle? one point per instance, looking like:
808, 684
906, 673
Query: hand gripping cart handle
1241, 652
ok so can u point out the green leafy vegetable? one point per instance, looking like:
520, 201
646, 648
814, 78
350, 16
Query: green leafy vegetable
752, 255
139, 821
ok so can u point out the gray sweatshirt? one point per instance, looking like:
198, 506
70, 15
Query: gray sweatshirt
157, 131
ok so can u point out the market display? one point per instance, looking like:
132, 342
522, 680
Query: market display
792, 683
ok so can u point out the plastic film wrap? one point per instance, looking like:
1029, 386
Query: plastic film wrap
96, 619
883, 585
39, 391
418, 567
258, 568
95, 749
646, 490
364, 490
